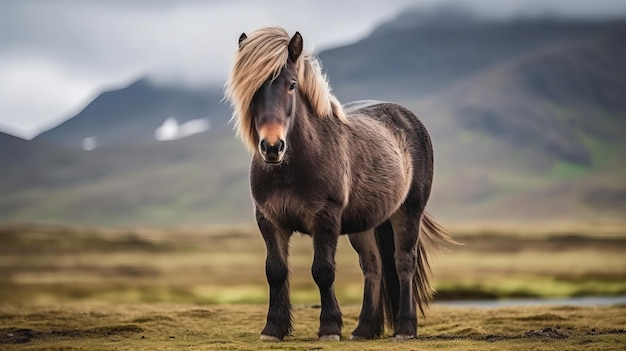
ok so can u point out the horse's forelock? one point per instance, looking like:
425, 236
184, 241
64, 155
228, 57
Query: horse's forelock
261, 56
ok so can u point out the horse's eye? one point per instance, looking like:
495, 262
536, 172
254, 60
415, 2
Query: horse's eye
292, 86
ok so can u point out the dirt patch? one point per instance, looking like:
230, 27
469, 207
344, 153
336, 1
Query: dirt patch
616, 331
18, 336
547, 333
542, 317
471, 334
197, 313
24, 335
156, 318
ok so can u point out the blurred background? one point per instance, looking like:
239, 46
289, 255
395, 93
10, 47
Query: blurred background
121, 177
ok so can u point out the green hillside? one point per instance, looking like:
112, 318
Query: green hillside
541, 136
200, 179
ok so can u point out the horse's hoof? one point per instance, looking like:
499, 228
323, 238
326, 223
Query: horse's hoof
269, 338
404, 337
357, 337
330, 337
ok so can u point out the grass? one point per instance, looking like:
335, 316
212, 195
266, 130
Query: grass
107, 326
225, 265
562, 170
204, 288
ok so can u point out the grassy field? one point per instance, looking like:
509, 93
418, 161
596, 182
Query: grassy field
107, 326
204, 288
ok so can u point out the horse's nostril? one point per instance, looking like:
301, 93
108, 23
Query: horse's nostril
266, 148
264, 145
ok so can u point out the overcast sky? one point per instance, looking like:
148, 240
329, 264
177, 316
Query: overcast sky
57, 55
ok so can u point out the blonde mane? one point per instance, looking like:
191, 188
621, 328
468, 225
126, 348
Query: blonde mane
262, 56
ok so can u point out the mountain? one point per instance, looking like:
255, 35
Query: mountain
423, 53
11, 148
526, 117
546, 124
132, 114
560, 100
7, 141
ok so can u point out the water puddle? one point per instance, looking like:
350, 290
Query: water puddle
571, 301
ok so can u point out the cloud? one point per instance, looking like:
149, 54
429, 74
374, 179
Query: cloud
190, 38
56, 55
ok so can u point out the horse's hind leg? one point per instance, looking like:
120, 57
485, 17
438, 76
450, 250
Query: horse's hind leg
371, 317
279, 320
405, 223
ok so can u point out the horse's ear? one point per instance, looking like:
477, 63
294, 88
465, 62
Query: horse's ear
295, 47
242, 37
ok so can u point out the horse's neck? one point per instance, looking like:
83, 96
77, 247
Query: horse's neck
310, 137
305, 132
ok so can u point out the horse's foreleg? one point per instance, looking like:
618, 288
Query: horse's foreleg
279, 319
406, 229
325, 237
371, 317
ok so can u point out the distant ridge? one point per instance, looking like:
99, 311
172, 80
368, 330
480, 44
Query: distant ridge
133, 113
415, 55
12, 148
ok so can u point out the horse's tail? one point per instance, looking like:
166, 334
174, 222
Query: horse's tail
432, 238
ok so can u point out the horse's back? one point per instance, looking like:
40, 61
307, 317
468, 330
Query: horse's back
354, 106
394, 116
406, 128
391, 113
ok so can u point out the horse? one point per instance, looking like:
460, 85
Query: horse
322, 169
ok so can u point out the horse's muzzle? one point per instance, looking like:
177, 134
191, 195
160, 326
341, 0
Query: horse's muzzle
272, 153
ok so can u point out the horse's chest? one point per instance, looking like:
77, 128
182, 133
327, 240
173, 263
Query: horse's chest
289, 210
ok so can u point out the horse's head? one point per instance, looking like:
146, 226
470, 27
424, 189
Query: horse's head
274, 105
272, 80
